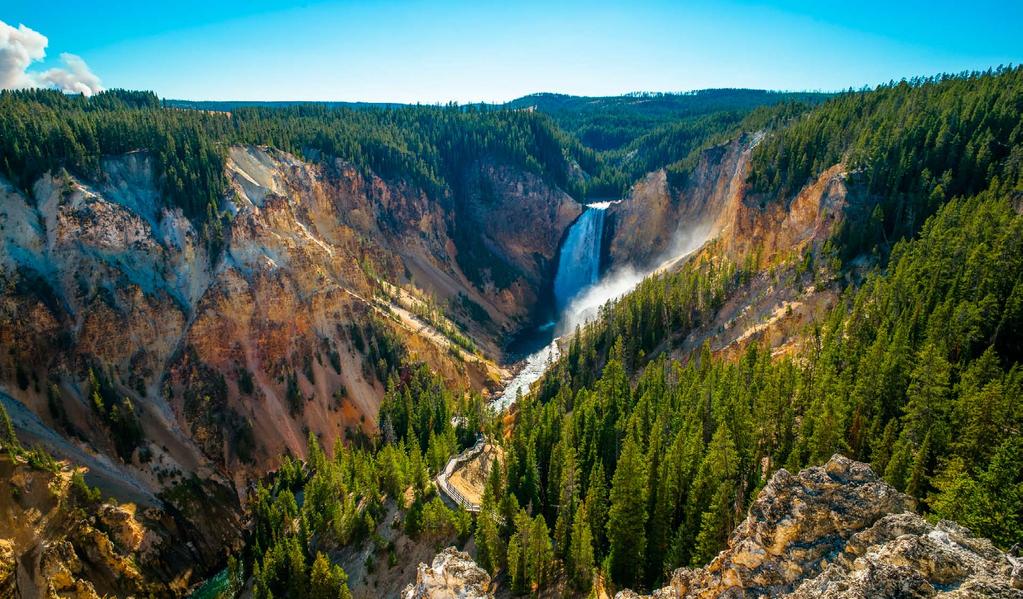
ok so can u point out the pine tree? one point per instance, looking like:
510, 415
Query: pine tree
597, 507
928, 405
568, 497
711, 510
898, 470
9, 439
327, 580
958, 497
530, 483
516, 566
917, 484
541, 554
581, 559
626, 523
656, 497
1002, 482
714, 525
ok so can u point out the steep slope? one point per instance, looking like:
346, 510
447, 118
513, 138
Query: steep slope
715, 214
771, 346
171, 350
656, 222
649, 225
138, 348
133, 290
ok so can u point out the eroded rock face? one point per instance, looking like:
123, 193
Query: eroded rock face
232, 352
54, 543
659, 222
104, 275
839, 531
656, 221
7, 568
902, 555
453, 575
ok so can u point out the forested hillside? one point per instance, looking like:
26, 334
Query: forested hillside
916, 370
612, 123
344, 495
45, 130
614, 141
630, 136
631, 460
912, 146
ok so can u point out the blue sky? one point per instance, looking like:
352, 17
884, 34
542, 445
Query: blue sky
433, 51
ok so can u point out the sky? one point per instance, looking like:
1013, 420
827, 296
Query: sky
439, 51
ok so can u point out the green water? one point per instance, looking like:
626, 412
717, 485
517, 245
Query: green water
214, 588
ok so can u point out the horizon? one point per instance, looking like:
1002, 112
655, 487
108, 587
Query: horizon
630, 94
388, 51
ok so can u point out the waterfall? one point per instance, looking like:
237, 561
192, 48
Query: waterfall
578, 270
579, 260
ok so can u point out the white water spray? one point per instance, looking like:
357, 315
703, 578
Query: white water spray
579, 292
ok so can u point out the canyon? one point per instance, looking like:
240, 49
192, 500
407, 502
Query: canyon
324, 271
267, 392
203, 345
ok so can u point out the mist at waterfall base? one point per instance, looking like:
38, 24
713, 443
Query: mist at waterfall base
579, 291
587, 302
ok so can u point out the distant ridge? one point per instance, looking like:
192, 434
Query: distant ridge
688, 102
602, 123
229, 105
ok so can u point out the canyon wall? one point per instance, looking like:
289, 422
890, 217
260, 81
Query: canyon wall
159, 359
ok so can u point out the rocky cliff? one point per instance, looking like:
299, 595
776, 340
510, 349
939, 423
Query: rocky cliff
59, 539
712, 214
656, 219
657, 222
839, 531
135, 345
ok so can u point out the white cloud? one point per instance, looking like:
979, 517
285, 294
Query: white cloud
20, 47
75, 77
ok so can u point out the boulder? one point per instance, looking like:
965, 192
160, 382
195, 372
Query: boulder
453, 575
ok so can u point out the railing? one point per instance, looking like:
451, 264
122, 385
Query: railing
442, 479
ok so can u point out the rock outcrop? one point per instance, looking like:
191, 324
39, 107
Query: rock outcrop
452, 575
57, 542
657, 221
839, 531
8, 568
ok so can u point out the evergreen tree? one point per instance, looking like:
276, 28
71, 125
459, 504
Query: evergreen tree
718, 479
327, 581
581, 559
958, 497
597, 507
626, 523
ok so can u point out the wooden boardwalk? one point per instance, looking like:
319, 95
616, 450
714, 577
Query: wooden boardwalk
444, 484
